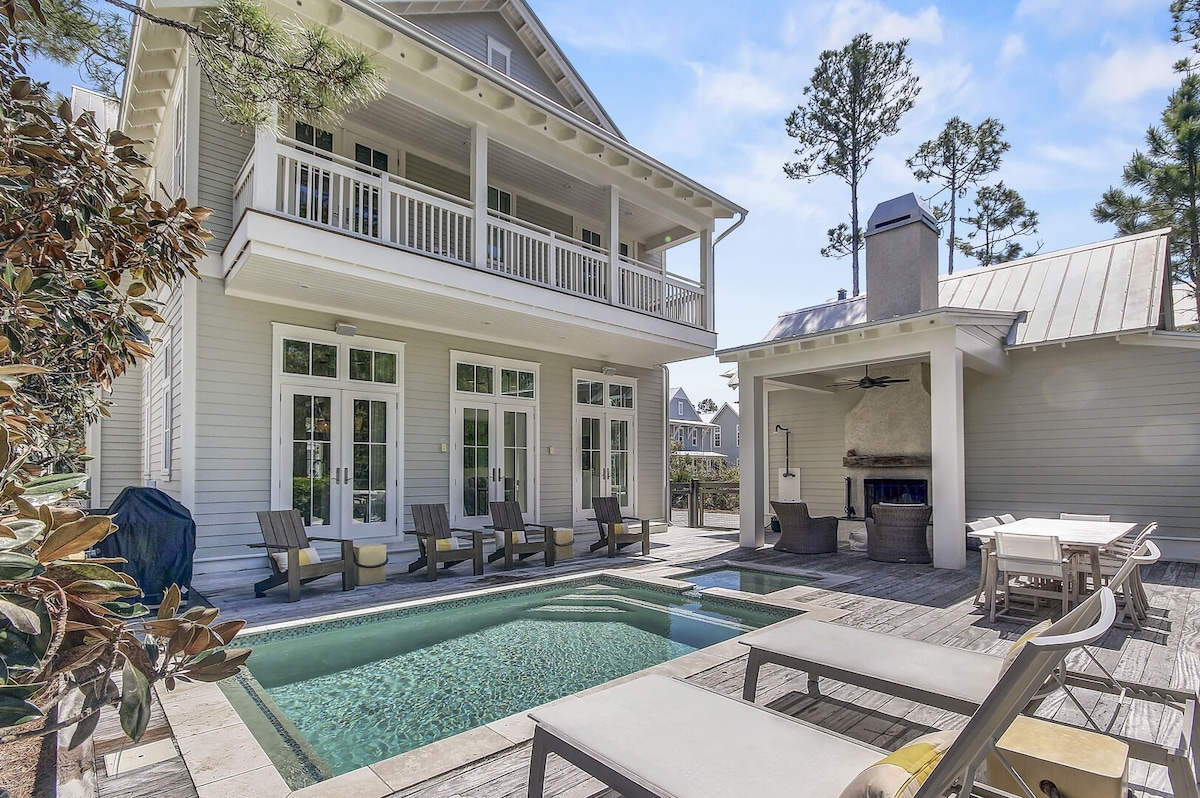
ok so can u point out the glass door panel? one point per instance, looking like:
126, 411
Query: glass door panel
311, 458
591, 464
369, 455
476, 462
515, 461
618, 455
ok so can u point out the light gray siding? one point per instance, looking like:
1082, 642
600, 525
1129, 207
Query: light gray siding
166, 365
234, 408
1096, 427
469, 32
435, 175
818, 439
120, 439
545, 216
223, 150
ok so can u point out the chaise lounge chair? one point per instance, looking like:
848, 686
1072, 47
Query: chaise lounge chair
615, 529
661, 737
956, 679
293, 559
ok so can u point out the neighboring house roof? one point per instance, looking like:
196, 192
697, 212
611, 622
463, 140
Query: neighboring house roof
534, 36
1106, 288
685, 453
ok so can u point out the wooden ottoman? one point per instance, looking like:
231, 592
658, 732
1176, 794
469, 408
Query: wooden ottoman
1080, 763
371, 561
564, 543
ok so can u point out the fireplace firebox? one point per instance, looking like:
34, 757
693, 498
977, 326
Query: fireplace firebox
894, 491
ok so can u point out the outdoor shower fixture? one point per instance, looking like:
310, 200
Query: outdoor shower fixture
787, 449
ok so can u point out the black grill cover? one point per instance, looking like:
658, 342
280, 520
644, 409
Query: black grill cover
157, 535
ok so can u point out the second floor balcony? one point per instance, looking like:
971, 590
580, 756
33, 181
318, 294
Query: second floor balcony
322, 189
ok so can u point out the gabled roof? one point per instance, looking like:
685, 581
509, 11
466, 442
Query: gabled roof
534, 36
1106, 288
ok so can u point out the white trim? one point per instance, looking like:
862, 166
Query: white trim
166, 400
498, 403
93, 440
279, 380
188, 403
606, 413
495, 46
192, 144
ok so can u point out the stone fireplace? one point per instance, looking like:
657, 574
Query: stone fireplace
888, 441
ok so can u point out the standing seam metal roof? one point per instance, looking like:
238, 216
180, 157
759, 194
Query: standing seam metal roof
1105, 288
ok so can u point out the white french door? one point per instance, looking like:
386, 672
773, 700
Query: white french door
604, 452
493, 460
340, 460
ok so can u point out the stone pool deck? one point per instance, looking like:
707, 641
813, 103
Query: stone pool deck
220, 758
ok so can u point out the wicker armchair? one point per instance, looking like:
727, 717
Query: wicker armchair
800, 533
896, 533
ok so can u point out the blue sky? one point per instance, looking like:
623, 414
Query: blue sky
705, 85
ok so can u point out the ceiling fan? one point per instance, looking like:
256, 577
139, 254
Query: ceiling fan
866, 381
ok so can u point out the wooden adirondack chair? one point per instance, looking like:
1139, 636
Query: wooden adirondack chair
517, 539
433, 525
616, 529
283, 532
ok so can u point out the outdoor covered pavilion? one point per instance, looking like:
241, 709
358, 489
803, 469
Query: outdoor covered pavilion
1024, 387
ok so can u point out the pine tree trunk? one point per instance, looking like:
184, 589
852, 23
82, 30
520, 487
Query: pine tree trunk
854, 234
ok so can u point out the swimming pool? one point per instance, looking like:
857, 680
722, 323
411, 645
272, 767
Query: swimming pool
331, 697
748, 580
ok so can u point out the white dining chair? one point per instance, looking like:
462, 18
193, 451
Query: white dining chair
1030, 565
1006, 518
1083, 517
987, 562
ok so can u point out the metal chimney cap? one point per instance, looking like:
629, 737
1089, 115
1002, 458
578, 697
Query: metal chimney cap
893, 213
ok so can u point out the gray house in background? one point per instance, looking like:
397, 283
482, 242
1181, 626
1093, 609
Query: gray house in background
695, 436
726, 432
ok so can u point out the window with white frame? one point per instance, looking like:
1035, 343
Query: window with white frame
695, 437
678, 434
167, 404
178, 150
717, 438
499, 56
739, 434
679, 408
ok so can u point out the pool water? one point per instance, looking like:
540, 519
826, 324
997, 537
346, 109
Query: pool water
359, 692
747, 580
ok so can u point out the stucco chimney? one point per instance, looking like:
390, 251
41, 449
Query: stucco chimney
902, 259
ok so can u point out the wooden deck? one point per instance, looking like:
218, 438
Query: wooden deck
911, 600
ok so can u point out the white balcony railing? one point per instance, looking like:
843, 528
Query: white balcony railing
326, 190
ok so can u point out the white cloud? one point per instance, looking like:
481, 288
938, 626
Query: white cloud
1130, 72
746, 87
847, 18
1067, 16
1013, 48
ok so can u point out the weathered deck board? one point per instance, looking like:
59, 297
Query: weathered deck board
911, 600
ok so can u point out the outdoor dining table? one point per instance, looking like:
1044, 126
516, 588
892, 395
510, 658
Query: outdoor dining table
1090, 536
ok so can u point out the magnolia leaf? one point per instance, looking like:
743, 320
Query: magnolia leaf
123, 609
5, 450
83, 730
75, 537
19, 533
14, 708
217, 666
201, 641
67, 571
18, 369
15, 566
201, 615
135, 702
228, 630
170, 603
54, 484
101, 589
20, 618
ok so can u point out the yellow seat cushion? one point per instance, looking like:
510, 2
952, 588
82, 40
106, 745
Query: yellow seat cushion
618, 529
448, 544
308, 556
513, 535
901, 773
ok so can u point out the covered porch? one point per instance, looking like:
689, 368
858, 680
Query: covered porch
859, 430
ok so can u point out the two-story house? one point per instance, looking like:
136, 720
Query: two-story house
462, 292
727, 433
693, 436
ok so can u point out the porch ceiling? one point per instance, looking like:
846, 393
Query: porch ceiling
360, 280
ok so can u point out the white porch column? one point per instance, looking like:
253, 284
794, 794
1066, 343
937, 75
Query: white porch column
479, 193
266, 170
949, 460
752, 406
707, 256
613, 240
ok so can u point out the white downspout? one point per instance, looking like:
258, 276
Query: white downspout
666, 439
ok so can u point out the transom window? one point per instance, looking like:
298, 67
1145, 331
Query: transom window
370, 366
309, 358
620, 395
368, 156
590, 237
500, 377
308, 134
598, 393
474, 379
514, 382
589, 392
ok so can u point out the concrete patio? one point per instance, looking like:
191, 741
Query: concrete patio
915, 601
